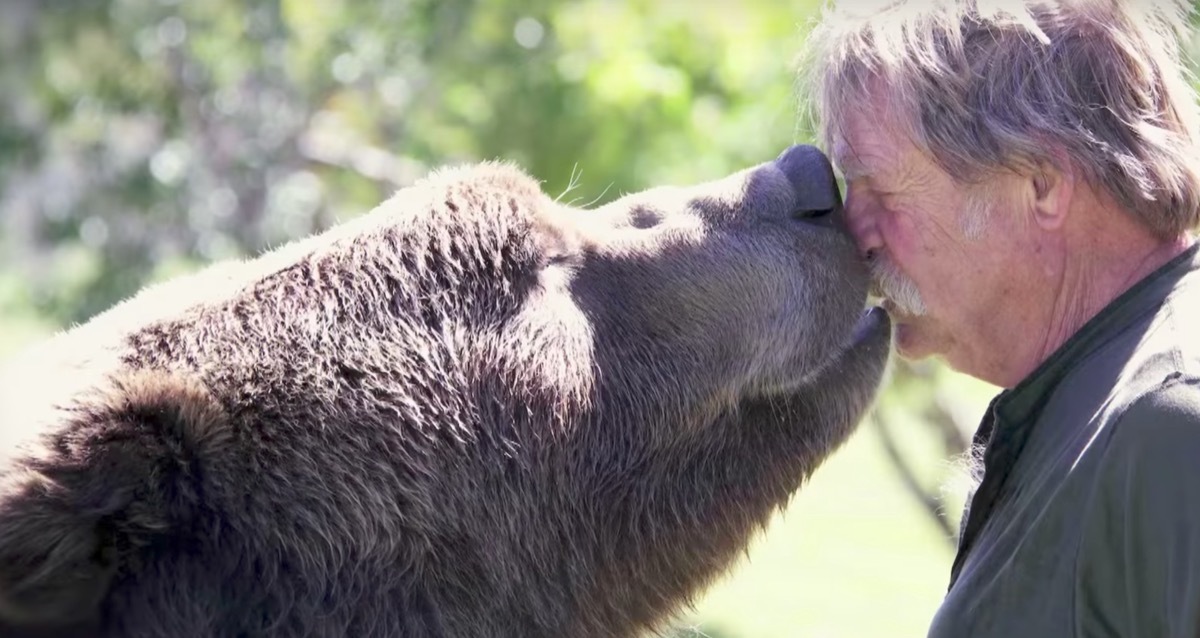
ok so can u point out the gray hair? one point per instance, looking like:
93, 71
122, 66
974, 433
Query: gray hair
983, 86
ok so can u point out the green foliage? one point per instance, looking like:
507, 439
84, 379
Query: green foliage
184, 132
142, 138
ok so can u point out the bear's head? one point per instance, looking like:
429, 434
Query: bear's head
688, 301
476, 411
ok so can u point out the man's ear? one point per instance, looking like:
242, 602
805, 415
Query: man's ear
1053, 188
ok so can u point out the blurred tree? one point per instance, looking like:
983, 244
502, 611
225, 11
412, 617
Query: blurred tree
139, 138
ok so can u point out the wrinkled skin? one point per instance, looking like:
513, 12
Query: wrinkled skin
472, 412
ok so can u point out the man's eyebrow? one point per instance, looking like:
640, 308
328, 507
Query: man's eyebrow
850, 167
846, 161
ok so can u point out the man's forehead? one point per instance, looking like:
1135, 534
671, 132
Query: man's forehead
869, 149
867, 141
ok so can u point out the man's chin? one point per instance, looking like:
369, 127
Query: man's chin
909, 343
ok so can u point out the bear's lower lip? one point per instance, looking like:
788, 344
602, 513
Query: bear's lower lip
871, 320
871, 331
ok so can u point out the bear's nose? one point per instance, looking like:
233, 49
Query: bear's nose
811, 175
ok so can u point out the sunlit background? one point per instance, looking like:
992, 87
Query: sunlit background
140, 139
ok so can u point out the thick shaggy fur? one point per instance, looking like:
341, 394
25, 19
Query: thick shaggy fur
473, 412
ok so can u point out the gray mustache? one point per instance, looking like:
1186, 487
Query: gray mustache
888, 282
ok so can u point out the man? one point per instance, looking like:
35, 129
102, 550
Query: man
1023, 178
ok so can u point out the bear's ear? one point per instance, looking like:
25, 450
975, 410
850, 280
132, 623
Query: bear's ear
121, 472
55, 562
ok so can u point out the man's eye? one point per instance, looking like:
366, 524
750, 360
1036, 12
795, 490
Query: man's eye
885, 196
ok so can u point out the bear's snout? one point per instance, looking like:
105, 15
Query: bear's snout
817, 199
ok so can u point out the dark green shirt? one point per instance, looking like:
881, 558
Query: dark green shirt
1087, 521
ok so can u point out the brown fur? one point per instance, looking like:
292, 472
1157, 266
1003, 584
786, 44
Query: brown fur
472, 412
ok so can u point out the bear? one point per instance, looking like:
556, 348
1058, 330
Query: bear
472, 412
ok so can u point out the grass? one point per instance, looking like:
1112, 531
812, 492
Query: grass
852, 556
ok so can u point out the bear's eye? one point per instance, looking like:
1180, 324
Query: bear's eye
642, 217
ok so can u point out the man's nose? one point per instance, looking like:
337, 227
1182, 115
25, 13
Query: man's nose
860, 223
818, 200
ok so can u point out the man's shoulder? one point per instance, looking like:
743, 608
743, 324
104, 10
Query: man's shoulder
1140, 551
1170, 347
1158, 353
1146, 378
1167, 412
1179, 322
1150, 418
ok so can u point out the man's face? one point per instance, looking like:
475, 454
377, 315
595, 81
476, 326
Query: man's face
941, 259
